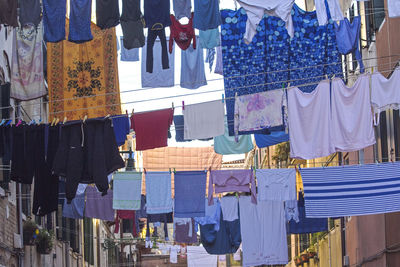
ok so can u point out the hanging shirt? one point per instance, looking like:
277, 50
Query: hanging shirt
151, 128
190, 192
230, 208
209, 38
266, 140
182, 8
355, 132
259, 111
132, 24
192, 68
256, 9
158, 191
156, 14
309, 118
54, 20
348, 38
98, 206
182, 34
334, 11
8, 12
160, 77
204, 120
27, 79
121, 128
232, 181
29, 12
384, 93
198, 256
276, 184
263, 229
225, 144
79, 21
129, 54
127, 188
206, 14
393, 8
107, 13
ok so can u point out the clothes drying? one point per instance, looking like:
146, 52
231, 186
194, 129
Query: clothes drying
158, 191
322, 13
206, 14
393, 8
212, 214
29, 12
151, 38
8, 12
385, 93
54, 20
79, 21
210, 55
266, 140
121, 128
355, 132
75, 210
192, 68
309, 118
210, 38
348, 38
230, 208
181, 34
126, 215
182, 8
204, 120
132, 24
256, 9
276, 184
179, 130
226, 145
127, 188
99, 206
218, 65
198, 256
107, 13
129, 54
291, 210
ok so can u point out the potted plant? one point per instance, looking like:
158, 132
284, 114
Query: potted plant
29, 232
311, 252
297, 261
44, 241
304, 257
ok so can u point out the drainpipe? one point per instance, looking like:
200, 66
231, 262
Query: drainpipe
329, 241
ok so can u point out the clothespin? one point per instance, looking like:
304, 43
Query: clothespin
183, 105
223, 98
126, 111
85, 118
2, 121
144, 170
236, 95
19, 123
65, 120
108, 115
174, 171
54, 120
8, 122
57, 120
326, 77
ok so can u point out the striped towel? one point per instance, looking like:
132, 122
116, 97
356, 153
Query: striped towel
351, 190
127, 188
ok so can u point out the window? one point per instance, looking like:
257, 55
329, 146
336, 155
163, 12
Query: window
383, 136
88, 240
375, 14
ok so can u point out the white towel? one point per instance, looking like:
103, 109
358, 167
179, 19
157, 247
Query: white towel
197, 256
352, 126
309, 118
204, 120
394, 8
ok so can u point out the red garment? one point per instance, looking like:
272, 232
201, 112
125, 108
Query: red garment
125, 214
182, 34
151, 128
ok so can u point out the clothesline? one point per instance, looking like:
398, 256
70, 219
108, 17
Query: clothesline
218, 79
197, 93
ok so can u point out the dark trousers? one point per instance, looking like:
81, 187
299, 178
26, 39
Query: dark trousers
151, 38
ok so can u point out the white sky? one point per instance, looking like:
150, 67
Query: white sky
130, 79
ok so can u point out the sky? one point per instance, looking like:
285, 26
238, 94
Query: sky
130, 79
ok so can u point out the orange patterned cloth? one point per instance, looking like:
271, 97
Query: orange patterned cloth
83, 78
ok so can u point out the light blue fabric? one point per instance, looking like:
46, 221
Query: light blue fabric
160, 77
210, 55
190, 192
210, 38
213, 214
265, 140
182, 8
192, 68
76, 208
206, 14
127, 187
348, 38
129, 55
225, 144
79, 21
158, 192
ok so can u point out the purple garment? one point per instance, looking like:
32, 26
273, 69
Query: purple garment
97, 206
190, 192
182, 233
218, 64
231, 181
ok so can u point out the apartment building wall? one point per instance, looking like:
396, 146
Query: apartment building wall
8, 226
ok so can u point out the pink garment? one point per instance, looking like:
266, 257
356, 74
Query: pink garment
232, 181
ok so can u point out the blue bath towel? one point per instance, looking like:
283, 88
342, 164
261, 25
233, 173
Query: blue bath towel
190, 192
158, 192
79, 21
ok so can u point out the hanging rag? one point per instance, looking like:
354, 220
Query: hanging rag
132, 24
348, 38
266, 140
210, 38
179, 130
276, 184
99, 206
190, 192
335, 11
226, 145
129, 54
210, 55
192, 68
158, 192
125, 215
121, 128
127, 188
107, 13
29, 12
79, 21
185, 230
206, 14
54, 20
181, 34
